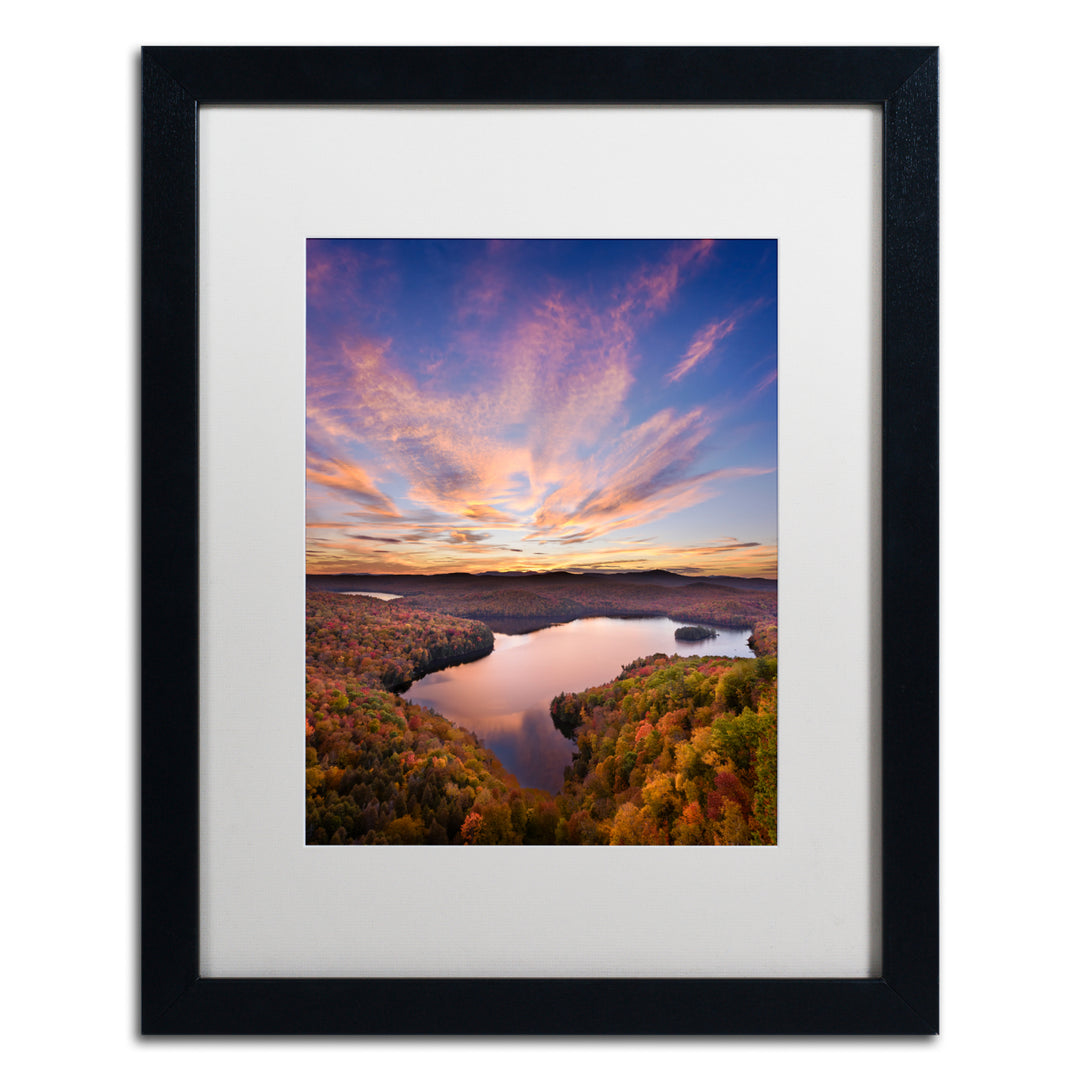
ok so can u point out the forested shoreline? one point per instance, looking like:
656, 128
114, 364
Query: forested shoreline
675, 750
543, 599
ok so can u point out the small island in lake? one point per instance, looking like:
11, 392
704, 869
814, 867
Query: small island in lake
694, 633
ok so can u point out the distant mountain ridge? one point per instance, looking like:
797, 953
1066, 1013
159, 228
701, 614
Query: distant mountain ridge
667, 578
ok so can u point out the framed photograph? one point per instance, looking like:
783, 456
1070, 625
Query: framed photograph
555, 430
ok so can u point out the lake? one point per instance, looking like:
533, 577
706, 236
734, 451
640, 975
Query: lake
505, 697
377, 595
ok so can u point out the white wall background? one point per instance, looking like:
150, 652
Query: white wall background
1009, 723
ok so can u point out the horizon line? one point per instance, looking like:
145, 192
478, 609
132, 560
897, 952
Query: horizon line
532, 573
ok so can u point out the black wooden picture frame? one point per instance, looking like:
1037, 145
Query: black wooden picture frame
177, 82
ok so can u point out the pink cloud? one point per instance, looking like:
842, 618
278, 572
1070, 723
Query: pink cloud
653, 288
337, 274
766, 382
700, 347
481, 292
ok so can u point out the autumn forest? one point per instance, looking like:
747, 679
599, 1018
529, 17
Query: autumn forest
674, 750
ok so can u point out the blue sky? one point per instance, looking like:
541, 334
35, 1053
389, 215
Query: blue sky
541, 404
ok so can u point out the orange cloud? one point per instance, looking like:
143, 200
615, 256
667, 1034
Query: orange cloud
561, 478
465, 536
648, 473
486, 514
743, 560
349, 478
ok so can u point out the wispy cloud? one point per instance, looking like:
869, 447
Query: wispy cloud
531, 439
749, 559
483, 286
558, 379
336, 272
700, 347
765, 382
648, 473
375, 539
350, 479
465, 536
652, 289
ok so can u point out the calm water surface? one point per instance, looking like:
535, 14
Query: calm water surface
505, 697
377, 595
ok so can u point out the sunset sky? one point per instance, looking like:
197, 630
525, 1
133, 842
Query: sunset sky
541, 405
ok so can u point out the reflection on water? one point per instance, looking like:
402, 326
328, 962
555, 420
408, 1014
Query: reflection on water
377, 595
505, 697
